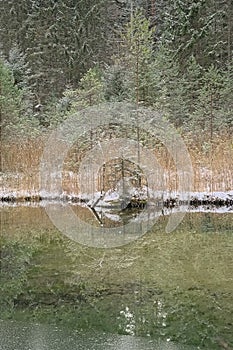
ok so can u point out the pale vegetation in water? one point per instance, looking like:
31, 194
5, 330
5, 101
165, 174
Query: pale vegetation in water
176, 285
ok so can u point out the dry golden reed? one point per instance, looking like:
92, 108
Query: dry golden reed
213, 167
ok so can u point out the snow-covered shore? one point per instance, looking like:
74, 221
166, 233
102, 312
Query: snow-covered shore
113, 197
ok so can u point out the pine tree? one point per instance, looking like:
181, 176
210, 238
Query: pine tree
90, 92
137, 57
16, 114
225, 120
61, 39
10, 100
22, 77
169, 87
115, 85
200, 28
192, 86
207, 113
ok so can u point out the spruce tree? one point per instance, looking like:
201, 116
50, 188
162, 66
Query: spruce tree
205, 117
10, 100
137, 57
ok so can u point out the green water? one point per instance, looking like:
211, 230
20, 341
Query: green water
163, 291
21, 336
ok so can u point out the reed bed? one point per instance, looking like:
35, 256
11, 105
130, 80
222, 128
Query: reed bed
20, 165
212, 168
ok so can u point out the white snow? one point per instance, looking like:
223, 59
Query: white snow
113, 197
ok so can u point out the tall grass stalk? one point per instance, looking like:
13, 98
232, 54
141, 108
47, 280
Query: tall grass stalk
213, 167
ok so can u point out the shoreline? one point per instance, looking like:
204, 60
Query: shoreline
166, 199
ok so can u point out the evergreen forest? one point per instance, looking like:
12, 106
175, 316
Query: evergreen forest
60, 56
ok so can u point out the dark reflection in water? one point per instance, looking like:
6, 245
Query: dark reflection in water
34, 214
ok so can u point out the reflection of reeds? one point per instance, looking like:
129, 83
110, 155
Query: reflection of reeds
213, 167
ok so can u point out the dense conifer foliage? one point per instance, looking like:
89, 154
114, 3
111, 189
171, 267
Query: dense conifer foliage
175, 56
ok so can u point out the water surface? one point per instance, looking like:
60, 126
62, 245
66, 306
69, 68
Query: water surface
162, 291
20, 336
